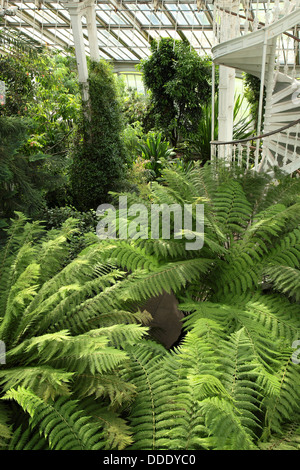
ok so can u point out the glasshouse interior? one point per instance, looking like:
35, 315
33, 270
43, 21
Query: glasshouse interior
150, 225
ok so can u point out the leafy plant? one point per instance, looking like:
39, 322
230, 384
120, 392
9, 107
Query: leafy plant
99, 160
230, 383
19, 89
132, 136
56, 105
134, 107
22, 178
45, 91
179, 81
60, 370
199, 142
157, 152
54, 218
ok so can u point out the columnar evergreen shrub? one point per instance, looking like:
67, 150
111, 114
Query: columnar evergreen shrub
99, 157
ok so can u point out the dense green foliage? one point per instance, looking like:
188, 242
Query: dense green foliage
252, 93
19, 87
54, 218
56, 365
23, 177
80, 368
37, 125
199, 141
137, 108
77, 340
99, 158
179, 81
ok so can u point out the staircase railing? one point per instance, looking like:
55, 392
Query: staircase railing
279, 144
253, 153
253, 19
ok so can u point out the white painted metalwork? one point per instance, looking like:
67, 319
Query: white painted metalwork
268, 52
195, 15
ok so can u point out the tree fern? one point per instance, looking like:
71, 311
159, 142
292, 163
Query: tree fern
151, 415
285, 279
47, 359
241, 392
226, 427
78, 337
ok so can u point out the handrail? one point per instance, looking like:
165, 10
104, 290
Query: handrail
262, 136
259, 22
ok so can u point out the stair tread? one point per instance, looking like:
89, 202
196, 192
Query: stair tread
282, 151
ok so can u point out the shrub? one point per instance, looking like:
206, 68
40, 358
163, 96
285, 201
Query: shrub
179, 81
55, 218
99, 156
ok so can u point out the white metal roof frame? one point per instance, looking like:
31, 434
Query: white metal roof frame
125, 28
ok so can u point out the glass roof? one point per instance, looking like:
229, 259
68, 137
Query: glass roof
125, 28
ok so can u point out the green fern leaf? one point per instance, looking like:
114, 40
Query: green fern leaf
63, 423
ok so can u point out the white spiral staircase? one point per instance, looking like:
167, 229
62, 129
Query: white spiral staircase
268, 51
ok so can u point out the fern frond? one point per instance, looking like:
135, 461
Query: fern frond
109, 386
285, 279
178, 183
232, 208
44, 381
164, 249
51, 256
288, 439
272, 313
63, 423
19, 296
168, 278
87, 352
225, 426
282, 406
220, 313
116, 432
5, 428
287, 251
52, 313
241, 371
25, 439
201, 180
124, 317
151, 414
127, 254
121, 335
